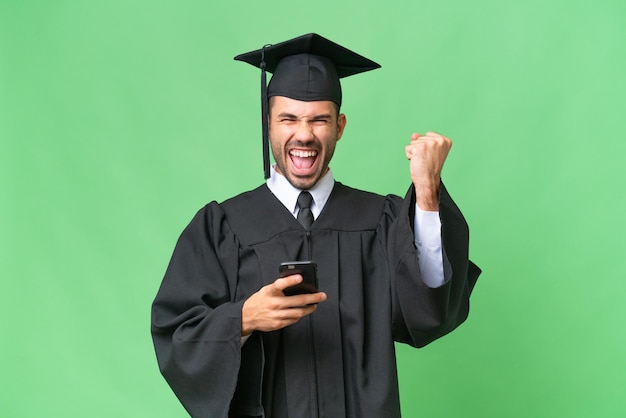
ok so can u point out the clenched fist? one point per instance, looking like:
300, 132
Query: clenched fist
427, 153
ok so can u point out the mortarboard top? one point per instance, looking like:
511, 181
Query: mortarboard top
306, 68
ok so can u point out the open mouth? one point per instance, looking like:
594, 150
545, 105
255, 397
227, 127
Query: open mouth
303, 160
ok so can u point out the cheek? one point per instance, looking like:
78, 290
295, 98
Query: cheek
281, 133
328, 135
276, 135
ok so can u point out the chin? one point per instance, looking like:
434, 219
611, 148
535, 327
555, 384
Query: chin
303, 183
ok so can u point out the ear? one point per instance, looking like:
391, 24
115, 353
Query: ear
341, 125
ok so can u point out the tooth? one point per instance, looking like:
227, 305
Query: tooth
303, 154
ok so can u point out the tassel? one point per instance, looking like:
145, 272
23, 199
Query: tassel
264, 117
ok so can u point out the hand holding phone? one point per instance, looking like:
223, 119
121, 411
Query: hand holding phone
308, 271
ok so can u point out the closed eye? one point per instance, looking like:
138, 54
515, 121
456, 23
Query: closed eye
287, 117
321, 120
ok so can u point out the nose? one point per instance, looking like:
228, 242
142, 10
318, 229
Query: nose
304, 131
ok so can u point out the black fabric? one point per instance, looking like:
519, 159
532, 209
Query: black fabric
307, 68
306, 77
346, 62
305, 215
337, 362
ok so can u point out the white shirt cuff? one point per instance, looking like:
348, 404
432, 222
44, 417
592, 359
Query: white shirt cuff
427, 227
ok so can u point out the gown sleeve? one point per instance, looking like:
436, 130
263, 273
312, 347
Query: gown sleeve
196, 324
421, 314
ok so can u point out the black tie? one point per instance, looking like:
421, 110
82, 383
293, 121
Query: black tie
305, 216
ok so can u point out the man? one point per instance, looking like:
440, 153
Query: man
230, 342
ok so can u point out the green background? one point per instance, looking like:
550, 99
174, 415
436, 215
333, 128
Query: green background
119, 119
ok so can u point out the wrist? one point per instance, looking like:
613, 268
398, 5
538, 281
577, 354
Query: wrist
246, 325
427, 196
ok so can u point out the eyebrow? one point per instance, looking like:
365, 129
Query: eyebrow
286, 115
325, 116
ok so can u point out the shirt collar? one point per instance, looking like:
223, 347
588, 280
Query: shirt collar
288, 195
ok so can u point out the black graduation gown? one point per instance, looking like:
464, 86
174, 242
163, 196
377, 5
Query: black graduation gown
337, 362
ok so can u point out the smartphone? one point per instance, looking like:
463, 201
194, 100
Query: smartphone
308, 271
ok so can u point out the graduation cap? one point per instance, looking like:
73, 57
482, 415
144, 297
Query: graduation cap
306, 68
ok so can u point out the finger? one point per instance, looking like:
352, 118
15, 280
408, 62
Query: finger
297, 312
433, 134
417, 147
284, 282
432, 139
307, 299
415, 136
408, 150
438, 138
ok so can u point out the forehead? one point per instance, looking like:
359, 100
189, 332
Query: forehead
281, 104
